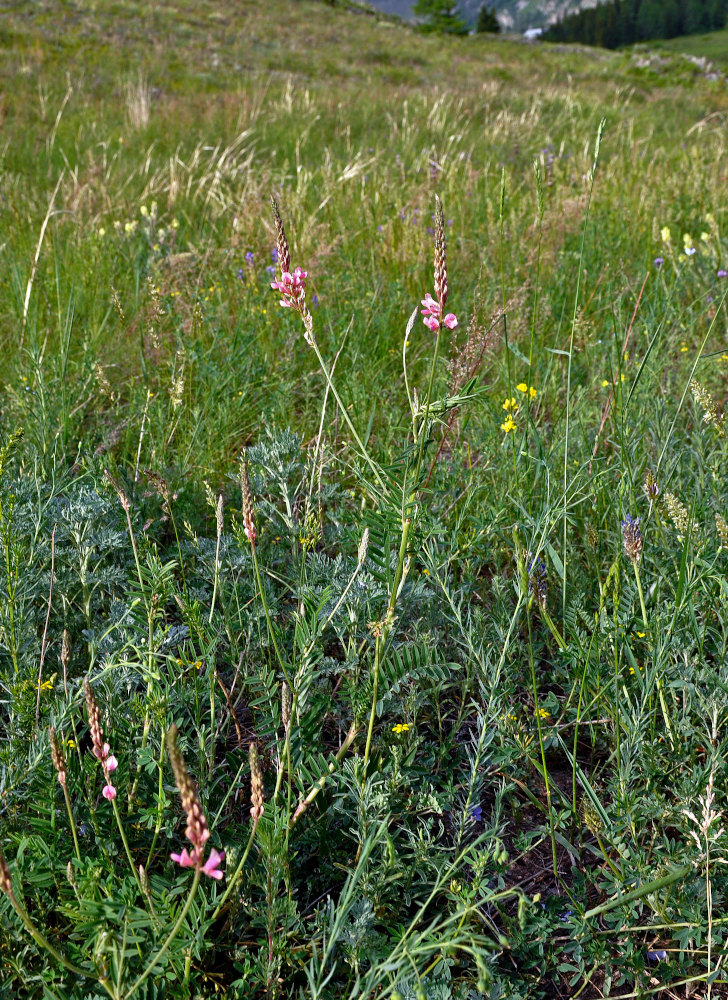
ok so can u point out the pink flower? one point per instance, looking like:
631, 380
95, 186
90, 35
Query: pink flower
109, 792
291, 287
184, 859
101, 752
111, 763
210, 867
193, 860
433, 315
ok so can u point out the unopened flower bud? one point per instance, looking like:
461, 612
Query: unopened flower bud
256, 784
65, 649
247, 500
286, 706
6, 883
363, 546
59, 761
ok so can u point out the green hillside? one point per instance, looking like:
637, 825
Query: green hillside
408, 637
713, 47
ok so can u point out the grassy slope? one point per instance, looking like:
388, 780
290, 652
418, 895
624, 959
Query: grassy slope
242, 104
712, 46
207, 108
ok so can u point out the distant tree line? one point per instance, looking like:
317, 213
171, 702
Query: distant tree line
622, 22
445, 16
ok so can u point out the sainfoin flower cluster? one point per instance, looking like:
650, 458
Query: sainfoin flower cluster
197, 830
99, 748
433, 315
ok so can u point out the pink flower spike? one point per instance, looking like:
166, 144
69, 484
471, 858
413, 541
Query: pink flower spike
450, 321
183, 859
432, 323
109, 792
111, 763
210, 867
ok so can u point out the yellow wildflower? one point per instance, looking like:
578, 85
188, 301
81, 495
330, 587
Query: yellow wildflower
544, 714
522, 387
510, 404
605, 383
532, 392
687, 240
509, 425
665, 234
401, 727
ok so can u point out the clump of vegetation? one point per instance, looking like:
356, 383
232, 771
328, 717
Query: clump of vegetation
363, 614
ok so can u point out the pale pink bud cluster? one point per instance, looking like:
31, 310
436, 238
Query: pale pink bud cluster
100, 750
6, 882
197, 830
59, 761
433, 315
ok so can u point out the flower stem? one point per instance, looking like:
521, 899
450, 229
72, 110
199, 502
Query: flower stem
135, 873
170, 938
236, 873
375, 689
71, 821
269, 622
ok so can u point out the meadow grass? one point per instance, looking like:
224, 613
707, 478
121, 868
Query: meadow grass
369, 596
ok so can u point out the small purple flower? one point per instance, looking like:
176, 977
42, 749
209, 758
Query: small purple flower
430, 231
274, 255
690, 251
314, 301
657, 956
659, 261
240, 273
449, 222
722, 273
402, 214
249, 257
270, 269
709, 298
380, 229
476, 814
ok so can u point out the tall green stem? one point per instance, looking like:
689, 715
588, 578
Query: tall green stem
170, 938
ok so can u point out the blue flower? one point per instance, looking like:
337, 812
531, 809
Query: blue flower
249, 257
659, 261
657, 956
